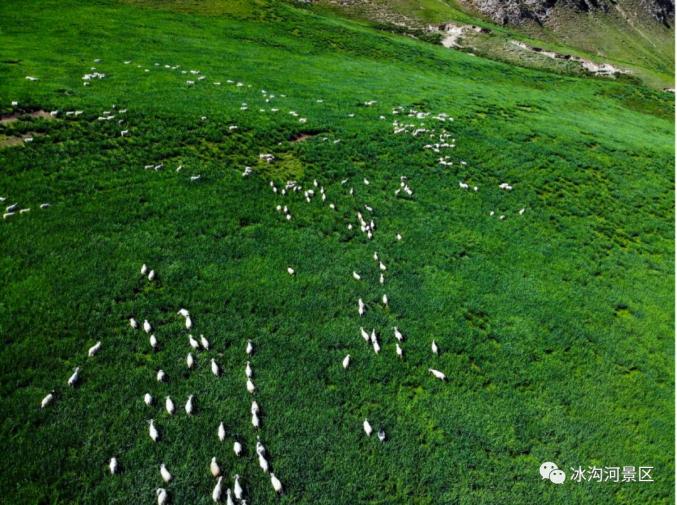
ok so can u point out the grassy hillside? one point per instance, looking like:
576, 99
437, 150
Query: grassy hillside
624, 36
555, 325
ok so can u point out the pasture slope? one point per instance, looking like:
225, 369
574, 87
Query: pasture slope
555, 325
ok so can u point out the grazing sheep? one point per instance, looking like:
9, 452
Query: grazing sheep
346, 361
364, 334
47, 400
237, 488
250, 347
190, 362
214, 467
277, 485
73, 379
153, 342
221, 432
162, 496
356, 276
398, 334
94, 349
260, 449
215, 368
237, 448
190, 407
250, 386
133, 323
151, 275
381, 435
166, 476
189, 323
434, 348
169, 406
161, 376
398, 350
218, 490
439, 375
144, 269
263, 463
183, 312
248, 371
360, 307
148, 399
152, 431
146, 326
204, 342
113, 466
385, 299
255, 421
367, 427
193, 343
290, 270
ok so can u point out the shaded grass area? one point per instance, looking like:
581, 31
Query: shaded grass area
555, 327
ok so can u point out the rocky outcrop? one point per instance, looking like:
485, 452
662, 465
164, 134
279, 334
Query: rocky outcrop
519, 11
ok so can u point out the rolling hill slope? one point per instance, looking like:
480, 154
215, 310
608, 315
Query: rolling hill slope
551, 303
636, 37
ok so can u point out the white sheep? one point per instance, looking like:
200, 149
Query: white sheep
152, 431
73, 379
94, 349
346, 361
162, 496
190, 407
169, 406
277, 485
47, 400
218, 490
263, 463
166, 476
439, 375
367, 427
214, 467
204, 342
237, 488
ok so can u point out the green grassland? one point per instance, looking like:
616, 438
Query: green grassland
556, 327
